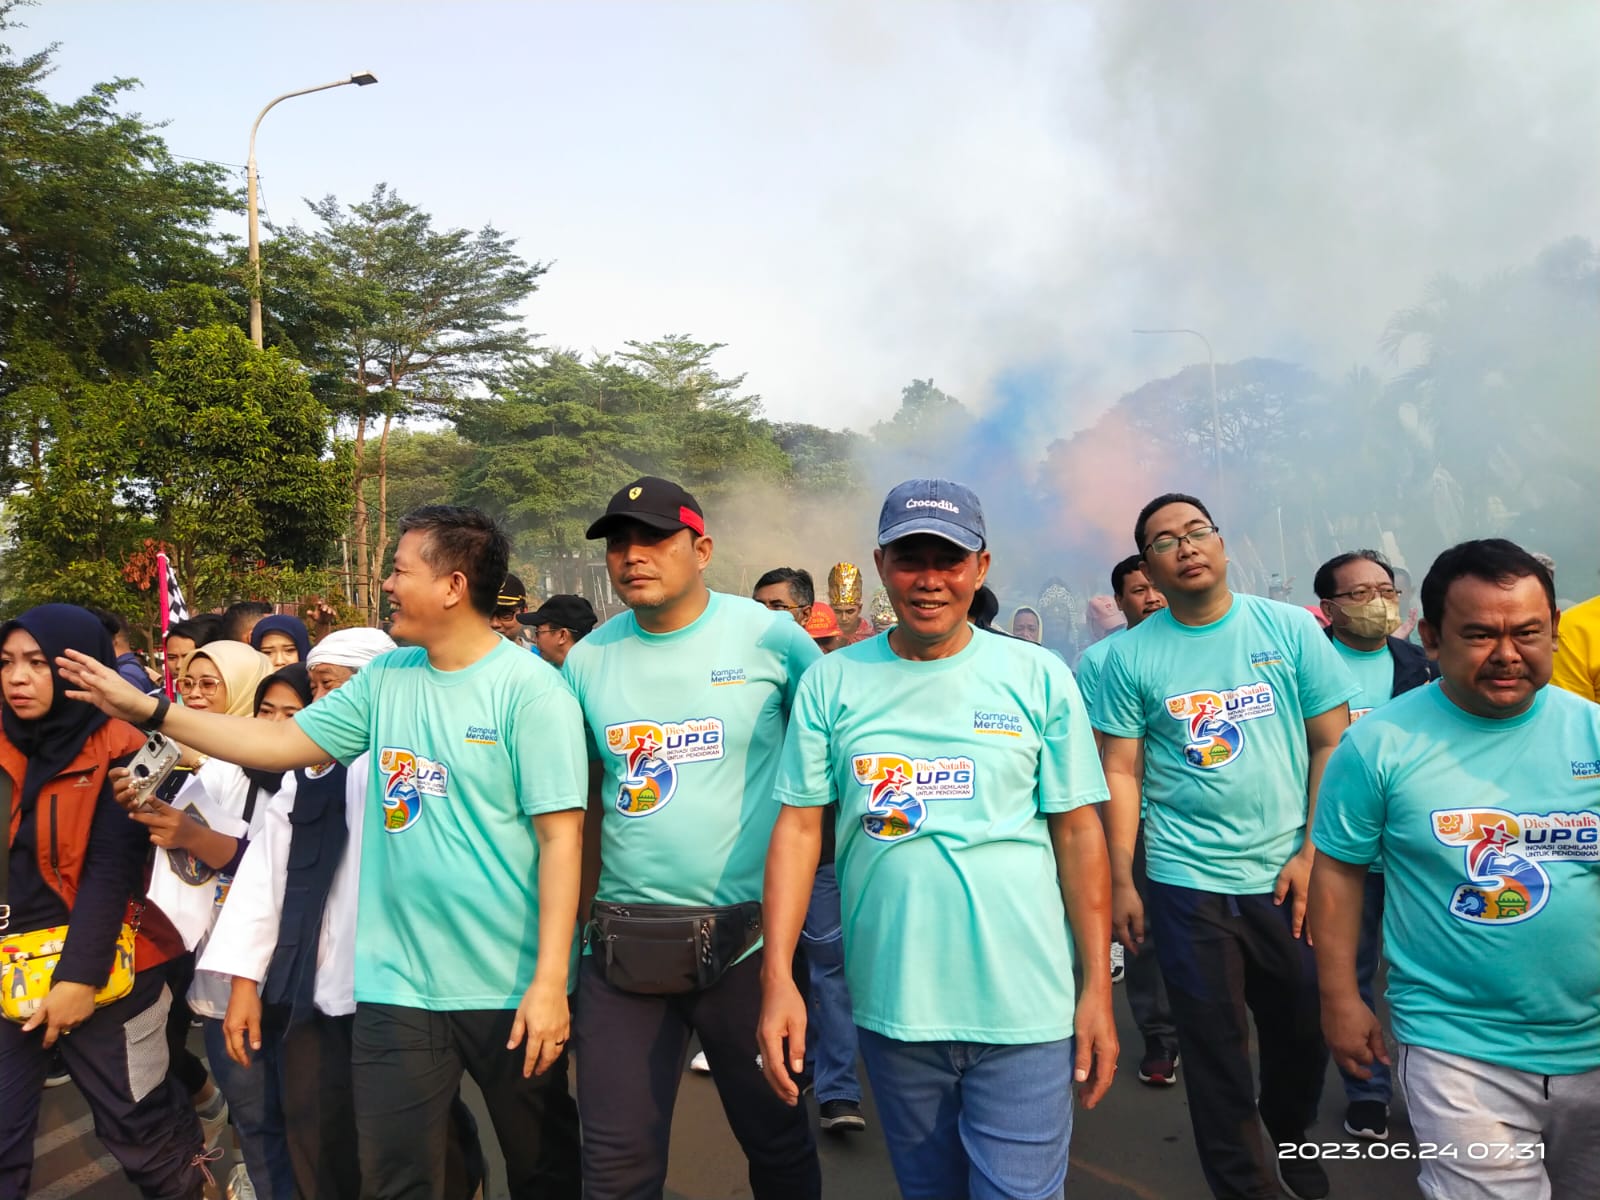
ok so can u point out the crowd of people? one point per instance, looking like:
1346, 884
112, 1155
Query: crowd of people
804, 833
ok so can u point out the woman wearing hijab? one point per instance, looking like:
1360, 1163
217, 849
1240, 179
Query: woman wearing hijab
283, 640
201, 836
74, 860
1026, 624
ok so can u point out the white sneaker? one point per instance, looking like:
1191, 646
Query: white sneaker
699, 1064
1118, 969
239, 1185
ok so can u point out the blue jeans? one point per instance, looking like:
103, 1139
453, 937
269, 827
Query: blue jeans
1379, 1087
255, 1107
831, 1040
964, 1119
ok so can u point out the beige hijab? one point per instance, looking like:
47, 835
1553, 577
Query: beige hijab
242, 669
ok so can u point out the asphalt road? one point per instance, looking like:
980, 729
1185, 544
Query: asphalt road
1135, 1146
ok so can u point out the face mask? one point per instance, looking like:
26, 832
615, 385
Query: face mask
1376, 618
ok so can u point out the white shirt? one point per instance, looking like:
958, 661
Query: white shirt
246, 934
186, 890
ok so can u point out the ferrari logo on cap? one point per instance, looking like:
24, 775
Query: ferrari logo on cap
633, 493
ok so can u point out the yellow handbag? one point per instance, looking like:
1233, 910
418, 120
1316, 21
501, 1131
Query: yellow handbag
28, 961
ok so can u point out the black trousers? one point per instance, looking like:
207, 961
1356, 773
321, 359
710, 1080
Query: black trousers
406, 1066
631, 1051
189, 1068
118, 1058
1225, 959
1147, 992
313, 1061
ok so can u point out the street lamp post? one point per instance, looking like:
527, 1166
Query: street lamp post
252, 187
1216, 423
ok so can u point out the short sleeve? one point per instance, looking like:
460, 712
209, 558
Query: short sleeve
341, 722
1069, 764
1118, 706
1323, 679
798, 651
1350, 809
805, 768
551, 765
1087, 676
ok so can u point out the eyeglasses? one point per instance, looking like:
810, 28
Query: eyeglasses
780, 606
206, 685
1366, 592
1168, 542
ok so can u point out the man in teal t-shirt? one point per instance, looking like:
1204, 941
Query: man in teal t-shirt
1483, 794
1362, 606
470, 868
963, 769
685, 698
1139, 600
1222, 711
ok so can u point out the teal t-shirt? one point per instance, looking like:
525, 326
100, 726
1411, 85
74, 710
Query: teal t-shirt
1090, 663
954, 925
688, 726
1373, 672
448, 913
1222, 711
1491, 834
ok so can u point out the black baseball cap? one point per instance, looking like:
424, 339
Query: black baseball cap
564, 612
658, 503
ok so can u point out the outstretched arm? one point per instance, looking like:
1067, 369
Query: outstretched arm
267, 745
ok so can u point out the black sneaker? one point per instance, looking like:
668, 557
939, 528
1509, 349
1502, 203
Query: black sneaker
1158, 1067
1302, 1178
841, 1116
1367, 1119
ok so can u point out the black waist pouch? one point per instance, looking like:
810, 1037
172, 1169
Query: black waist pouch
669, 949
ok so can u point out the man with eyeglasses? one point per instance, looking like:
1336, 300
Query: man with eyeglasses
558, 625
1362, 604
1224, 710
787, 589
509, 606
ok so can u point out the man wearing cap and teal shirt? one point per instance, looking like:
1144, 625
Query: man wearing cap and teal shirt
972, 872
1223, 711
1482, 794
685, 697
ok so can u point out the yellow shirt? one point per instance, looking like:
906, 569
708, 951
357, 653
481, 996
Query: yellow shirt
1577, 665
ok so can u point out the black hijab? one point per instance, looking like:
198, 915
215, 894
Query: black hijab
297, 677
293, 627
54, 740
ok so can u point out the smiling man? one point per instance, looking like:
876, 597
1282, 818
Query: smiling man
470, 865
686, 696
1482, 793
1223, 710
968, 853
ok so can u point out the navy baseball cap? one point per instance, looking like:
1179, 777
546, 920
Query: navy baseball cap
937, 506
658, 503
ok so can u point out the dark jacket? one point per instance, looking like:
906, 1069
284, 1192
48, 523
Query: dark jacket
1412, 666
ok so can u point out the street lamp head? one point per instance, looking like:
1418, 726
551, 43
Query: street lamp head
362, 78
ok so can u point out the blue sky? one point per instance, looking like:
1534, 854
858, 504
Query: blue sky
854, 194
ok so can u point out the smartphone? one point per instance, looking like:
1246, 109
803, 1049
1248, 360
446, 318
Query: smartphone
150, 767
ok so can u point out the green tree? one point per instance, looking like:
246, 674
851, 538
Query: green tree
105, 247
397, 319
221, 455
